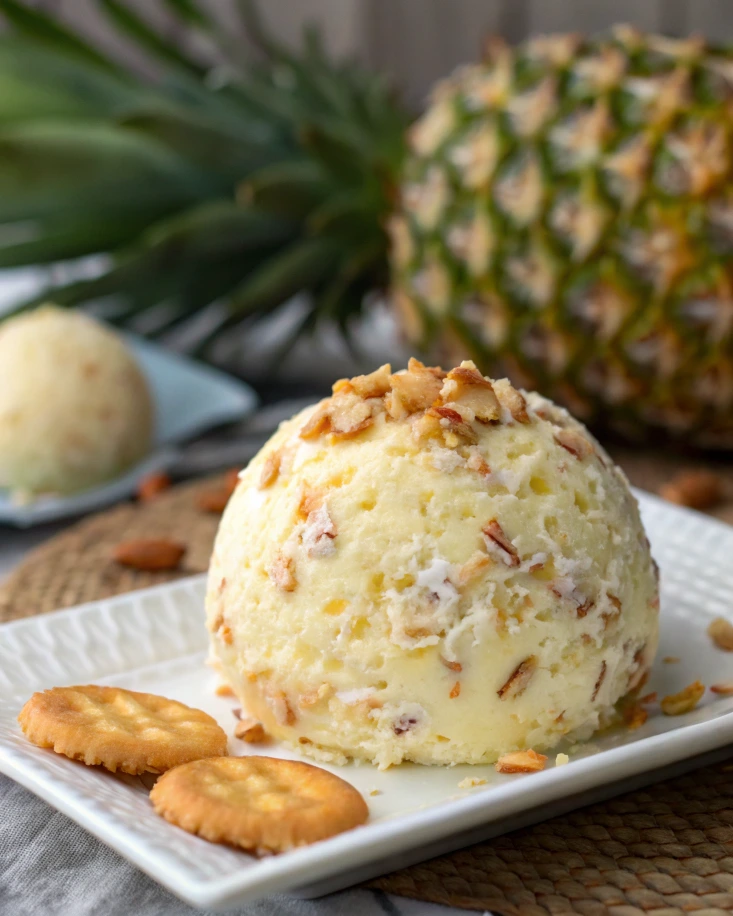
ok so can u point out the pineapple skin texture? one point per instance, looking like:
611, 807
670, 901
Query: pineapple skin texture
566, 218
75, 408
360, 656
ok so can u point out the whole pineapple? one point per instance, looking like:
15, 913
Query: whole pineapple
567, 218
561, 212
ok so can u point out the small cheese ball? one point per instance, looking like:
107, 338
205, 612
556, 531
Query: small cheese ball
75, 409
431, 567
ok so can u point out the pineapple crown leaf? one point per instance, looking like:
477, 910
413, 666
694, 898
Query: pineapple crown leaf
242, 184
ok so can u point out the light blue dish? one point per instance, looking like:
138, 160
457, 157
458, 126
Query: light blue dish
189, 399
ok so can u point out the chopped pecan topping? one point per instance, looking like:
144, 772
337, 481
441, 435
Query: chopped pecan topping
468, 389
476, 462
282, 573
270, 469
427, 426
499, 543
721, 633
676, 704
520, 677
599, 680
725, 689
455, 690
350, 414
634, 716
528, 761
574, 443
374, 385
310, 500
451, 666
319, 533
455, 429
472, 569
251, 731
413, 390
318, 422
512, 400
695, 489
281, 708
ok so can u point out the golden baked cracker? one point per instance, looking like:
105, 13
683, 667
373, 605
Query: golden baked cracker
261, 804
120, 729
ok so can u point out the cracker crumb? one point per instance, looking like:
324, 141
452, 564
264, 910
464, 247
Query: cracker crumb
471, 782
561, 760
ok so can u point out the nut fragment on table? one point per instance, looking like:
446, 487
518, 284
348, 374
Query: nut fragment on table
695, 489
251, 731
721, 633
150, 554
528, 761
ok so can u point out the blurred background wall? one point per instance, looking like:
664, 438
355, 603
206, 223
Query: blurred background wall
417, 41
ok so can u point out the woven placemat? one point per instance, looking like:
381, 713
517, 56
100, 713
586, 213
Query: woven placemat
666, 850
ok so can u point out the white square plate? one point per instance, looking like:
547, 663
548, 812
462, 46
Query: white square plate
154, 640
189, 397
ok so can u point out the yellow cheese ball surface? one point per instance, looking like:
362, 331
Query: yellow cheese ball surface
75, 409
443, 584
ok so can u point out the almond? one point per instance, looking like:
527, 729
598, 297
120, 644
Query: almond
282, 573
528, 761
251, 731
520, 677
270, 469
467, 388
500, 544
150, 554
573, 442
725, 689
721, 633
374, 385
214, 501
152, 485
512, 400
634, 716
694, 489
599, 680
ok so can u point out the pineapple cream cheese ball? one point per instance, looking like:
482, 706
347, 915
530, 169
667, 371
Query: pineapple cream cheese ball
431, 567
75, 409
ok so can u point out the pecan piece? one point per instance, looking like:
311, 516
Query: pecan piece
282, 573
251, 731
695, 489
528, 761
511, 400
676, 704
473, 568
455, 429
281, 708
455, 690
721, 633
467, 388
319, 533
519, 679
270, 469
413, 390
599, 681
319, 422
500, 544
451, 666
374, 385
574, 443
349, 414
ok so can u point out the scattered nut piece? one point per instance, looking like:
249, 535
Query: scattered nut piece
648, 698
476, 462
282, 573
528, 761
413, 390
375, 792
455, 690
455, 429
472, 569
725, 689
312, 697
214, 500
270, 469
224, 690
519, 679
319, 533
451, 666
671, 659
497, 541
676, 704
511, 400
318, 422
225, 634
561, 760
281, 708
634, 716
470, 782
349, 414
574, 443
694, 489
251, 731
150, 554
152, 485
721, 633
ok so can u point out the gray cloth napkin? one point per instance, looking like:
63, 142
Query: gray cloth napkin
49, 866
